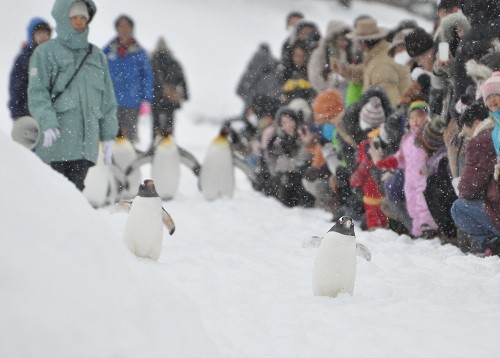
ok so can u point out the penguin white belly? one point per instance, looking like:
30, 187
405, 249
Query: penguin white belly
217, 171
166, 169
123, 155
143, 228
100, 188
335, 266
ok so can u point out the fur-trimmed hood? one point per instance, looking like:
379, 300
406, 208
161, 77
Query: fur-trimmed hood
477, 71
488, 123
448, 24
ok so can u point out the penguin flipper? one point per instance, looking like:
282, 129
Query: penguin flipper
167, 220
189, 160
362, 251
123, 206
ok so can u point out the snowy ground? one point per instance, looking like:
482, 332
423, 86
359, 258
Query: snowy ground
233, 281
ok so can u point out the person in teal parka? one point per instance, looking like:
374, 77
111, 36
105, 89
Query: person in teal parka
73, 118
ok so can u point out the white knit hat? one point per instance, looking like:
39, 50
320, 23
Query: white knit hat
79, 9
372, 114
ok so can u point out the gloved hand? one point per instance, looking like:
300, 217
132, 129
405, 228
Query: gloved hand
107, 150
50, 136
145, 108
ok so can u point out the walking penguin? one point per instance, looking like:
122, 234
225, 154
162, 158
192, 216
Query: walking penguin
144, 226
335, 264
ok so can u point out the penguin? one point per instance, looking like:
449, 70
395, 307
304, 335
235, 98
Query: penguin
217, 171
124, 154
100, 185
166, 167
335, 263
143, 234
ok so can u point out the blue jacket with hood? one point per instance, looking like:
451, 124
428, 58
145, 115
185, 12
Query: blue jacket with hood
18, 84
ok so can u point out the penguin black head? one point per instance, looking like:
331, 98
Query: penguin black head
147, 189
344, 225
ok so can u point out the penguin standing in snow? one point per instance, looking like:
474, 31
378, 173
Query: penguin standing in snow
335, 264
144, 226
217, 170
124, 154
166, 167
100, 187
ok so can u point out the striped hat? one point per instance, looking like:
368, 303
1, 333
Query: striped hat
372, 114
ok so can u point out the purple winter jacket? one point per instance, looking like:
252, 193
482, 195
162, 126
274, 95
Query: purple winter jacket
476, 181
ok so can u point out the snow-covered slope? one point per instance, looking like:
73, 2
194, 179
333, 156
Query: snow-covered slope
68, 285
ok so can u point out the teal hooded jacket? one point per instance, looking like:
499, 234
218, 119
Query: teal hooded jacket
85, 112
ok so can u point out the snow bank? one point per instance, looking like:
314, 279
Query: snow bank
69, 287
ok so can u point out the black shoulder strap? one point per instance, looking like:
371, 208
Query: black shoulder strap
56, 96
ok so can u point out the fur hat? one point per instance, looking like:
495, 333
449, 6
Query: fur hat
367, 29
79, 8
418, 42
372, 114
327, 105
303, 109
491, 86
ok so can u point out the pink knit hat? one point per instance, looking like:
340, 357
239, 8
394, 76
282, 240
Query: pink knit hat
491, 86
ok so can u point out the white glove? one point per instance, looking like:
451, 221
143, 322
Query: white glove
107, 150
50, 136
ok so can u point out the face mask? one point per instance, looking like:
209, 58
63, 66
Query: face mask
402, 58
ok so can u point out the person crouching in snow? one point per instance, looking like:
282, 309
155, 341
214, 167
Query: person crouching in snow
372, 197
287, 158
321, 140
412, 158
71, 95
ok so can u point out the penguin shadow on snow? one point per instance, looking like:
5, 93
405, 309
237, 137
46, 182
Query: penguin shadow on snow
143, 231
334, 270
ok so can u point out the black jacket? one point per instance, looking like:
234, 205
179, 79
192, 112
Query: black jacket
18, 85
167, 70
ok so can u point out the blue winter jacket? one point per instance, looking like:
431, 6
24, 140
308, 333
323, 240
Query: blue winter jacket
18, 84
132, 74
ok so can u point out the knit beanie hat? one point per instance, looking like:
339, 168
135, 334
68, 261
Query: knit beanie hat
431, 136
421, 105
327, 105
79, 9
418, 41
491, 86
372, 114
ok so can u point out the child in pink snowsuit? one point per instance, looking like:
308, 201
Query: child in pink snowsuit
412, 158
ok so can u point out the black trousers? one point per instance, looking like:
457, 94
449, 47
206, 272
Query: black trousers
74, 170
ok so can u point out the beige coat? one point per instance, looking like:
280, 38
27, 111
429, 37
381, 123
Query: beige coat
379, 69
